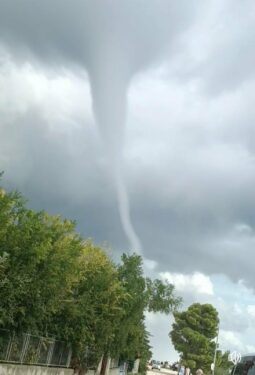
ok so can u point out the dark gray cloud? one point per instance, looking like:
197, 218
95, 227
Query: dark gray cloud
230, 62
187, 208
188, 73
112, 40
88, 31
217, 51
63, 175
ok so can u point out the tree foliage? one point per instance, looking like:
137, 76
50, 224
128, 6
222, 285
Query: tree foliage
222, 364
193, 334
40, 253
93, 309
145, 295
53, 282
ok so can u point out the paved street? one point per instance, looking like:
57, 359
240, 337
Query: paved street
162, 371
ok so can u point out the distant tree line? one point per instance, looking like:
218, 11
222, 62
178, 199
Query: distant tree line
55, 283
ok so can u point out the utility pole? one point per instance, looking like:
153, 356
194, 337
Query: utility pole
215, 352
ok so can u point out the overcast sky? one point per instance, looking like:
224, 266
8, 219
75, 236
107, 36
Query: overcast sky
181, 77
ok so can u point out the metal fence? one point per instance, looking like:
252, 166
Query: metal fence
29, 349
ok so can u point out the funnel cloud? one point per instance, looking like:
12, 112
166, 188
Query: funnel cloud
109, 94
113, 40
180, 150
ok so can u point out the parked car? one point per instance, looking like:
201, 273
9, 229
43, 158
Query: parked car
156, 365
175, 366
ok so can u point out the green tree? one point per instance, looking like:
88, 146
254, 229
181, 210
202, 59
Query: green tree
93, 310
132, 339
40, 254
222, 364
3, 282
161, 297
52, 282
193, 334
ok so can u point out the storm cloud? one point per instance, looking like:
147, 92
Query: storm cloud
108, 39
180, 78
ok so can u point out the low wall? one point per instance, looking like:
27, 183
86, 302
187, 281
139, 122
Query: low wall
8, 369
114, 371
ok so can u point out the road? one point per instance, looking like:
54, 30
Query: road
162, 371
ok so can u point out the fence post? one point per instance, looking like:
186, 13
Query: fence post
24, 347
17, 349
49, 356
8, 348
61, 354
69, 358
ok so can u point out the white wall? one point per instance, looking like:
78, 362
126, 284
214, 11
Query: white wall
114, 371
8, 369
